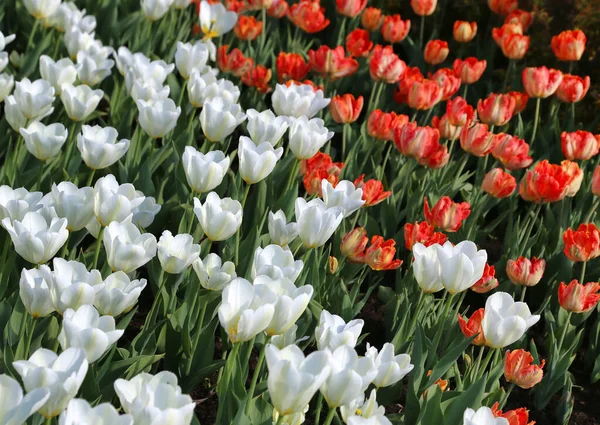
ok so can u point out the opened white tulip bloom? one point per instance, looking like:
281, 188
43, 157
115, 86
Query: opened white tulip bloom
34, 98
177, 253
315, 222
72, 285
189, 57
127, 249
372, 420
483, 416
298, 100
44, 142
7, 83
15, 203
308, 136
3, 61
219, 118
13, 114
155, 9
243, 313
118, 294
256, 162
155, 399
280, 231
215, 19
365, 409
114, 202
294, 379
14, 408
99, 147
125, 59
390, 368
291, 419
275, 262
204, 172
332, 332
76, 40
6, 39
344, 195
38, 237
505, 321
265, 126
158, 117
155, 72
92, 68
149, 91
62, 375
461, 265
219, 218
426, 267
290, 305
181, 4
349, 378
144, 214
212, 273
287, 338
85, 328
67, 15
73, 203
41, 9
34, 290
80, 412
57, 73
80, 101
204, 86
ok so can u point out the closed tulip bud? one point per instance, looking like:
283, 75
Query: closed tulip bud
72, 203
496, 109
519, 370
256, 162
483, 415
280, 231
499, 183
333, 264
461, 265
190, 56
158, 117
354, 244
72, 285
298, 100
306, 137
79, 412
177, 253
436, 52
394, 29
204, 172
469, 70
57, 73
215, 19
60, 375
505, 321
423, 7
577, 297
345, 109
380, 255
385, 65
275, 262
344, 195
155, 9
595, 182
266, 127
472, 327
80, 101
541, 82
99, 147
84, 328
34, 290
372, 18
15, 407
7, 82
424, 94
579, 145
127, 249
582, 244
390, 368
464, 31
119, 294
114, 202
423, 233
212, 273
145, 213
476, 139
219, 218
459, 112
219, 118
358, 43
569, 45
487, 282
333, 332
426, 267
44, 142
92, 69
316, 222
446, 214
350, 8
511, 40
511, 151
573, 88
34, 98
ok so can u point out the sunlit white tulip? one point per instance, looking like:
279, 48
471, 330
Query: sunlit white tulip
219, 118
280, 231
332, 332
219, 218
266, 127
15, 203
426, 267
275, 262
315, 222
62, 375
34, 290
461, 265
66, 16
80, 412
76, 40
298, 100
344, 195
38, 237
505, 321
3, 60
365, 409
308, 136
291, 419
205, 86
156, 71
190, 56
483, 416
127, 249
93, 69
13, 114
99, 147
181, 4
390, 368
144, 214
148, 90
41, 9
294, 379
256, 162
158, 116
34, 98
243, 313
44, 141
215, 19
379, 419
287, 338
125, 59
118, 294
72, 285
204, 172
14, 408
114, 202
73, 203
177, 253
7, 82
212, 273
80, 101
155, 9
57, 73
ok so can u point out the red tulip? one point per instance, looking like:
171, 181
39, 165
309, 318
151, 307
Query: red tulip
520, 100
358, 43
582, 244
345, 109
422, 232
309, 16
469, 70
381, 125
503, 7
380, 255
372, 191
291, 66
541, 82
445, 127
394, 29
278, 9
332, 62
424, 94
569, 45
259, 78
521, 17
247, 28
385, 65
464, 31
545, 183
572, 88
448, 81
579, 145
446, 214
499, 183
436, 52
476, 139
496, 109
234, 61
411, 75
511, 151
578, 298
371, 19
520, 370
350, 8
525, 272
487, 282
473, 326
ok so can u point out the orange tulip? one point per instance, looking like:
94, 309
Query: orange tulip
436, 52
410, 75
394, 29
345, 109
421, 143
234, 61
380, 255
381, 125
308, 15
372, 19
578, 298
579, 145
519, 370
569, 45
476, 139
385, 65
354, 244
520, 100
445, 127
423, 7
446, 214
545, 183
503, 7
247, 28
518, 416
541, 82
350, 8
511, 151
572, 88
448, 81
422, 232
259, 78
291, 66
473, 326
332, 62
525, 272
499, 183
372, 191
519, 16
424, 94
487, 282
469, 70
576, 175
511, 40
582, 244
496, 109
464, 31
358, 43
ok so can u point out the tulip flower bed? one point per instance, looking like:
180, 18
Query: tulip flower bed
270, 212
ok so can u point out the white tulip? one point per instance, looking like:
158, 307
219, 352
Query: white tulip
4, 60
483, 416
16, 59
62, 375
298, 100
76, 40
118, 294
85, 328
265, 126
461, 266
39, 236
57, 73
294, 379
80, 101
219, 218
155, 9
291, 419
177, 253
373, 420
275, 262
243, 313
204, 172
6, 39
181, 4
344, 195
42, 141
308, 136
72, 285
148, 91
15, 203
34, 98
7, 82
34, 290
426, 267
390, 368
190, 56
80, 412
93, 69
256, 162
315, 222
280, 231
141, 69
212, 273
204, 86
99, 147
125, 59
41, 9
332, 332
127, 249
13, 114
505, 321
158, 117
215, 19
114, 202
72, 203
14, 408
219, 118
363, 410
66, 16
144, 214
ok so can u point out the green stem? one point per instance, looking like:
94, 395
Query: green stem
342, 31
385, 159
464, 96
441, 325
279, 419
97, 250
413, 322
38, 185
583, 266
564, 332
237, 234
319, 408
535, 122
421, 32
161, 284
344, 131
30, 338
591, 213
486, 361
70, 144
508, 74
330, 416
182, 92
261, 359
90, 179
264, 29
479, 358
36, 24
229, 365
523, 291
504, 398
293, 175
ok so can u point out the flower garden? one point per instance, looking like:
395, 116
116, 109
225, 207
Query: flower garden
260, 212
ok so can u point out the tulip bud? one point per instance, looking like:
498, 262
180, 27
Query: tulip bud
354, 244
390, 368
118, 295
333, 332
219, 218
127, 249
15, 405
487, 282
57, 73
190, 56
306, 137
44, 142
34, 290
332, 263
380, 255
299, 101
446, 214
579, 145
436, 52
176, 253
499, 183
256, 162
464, 31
